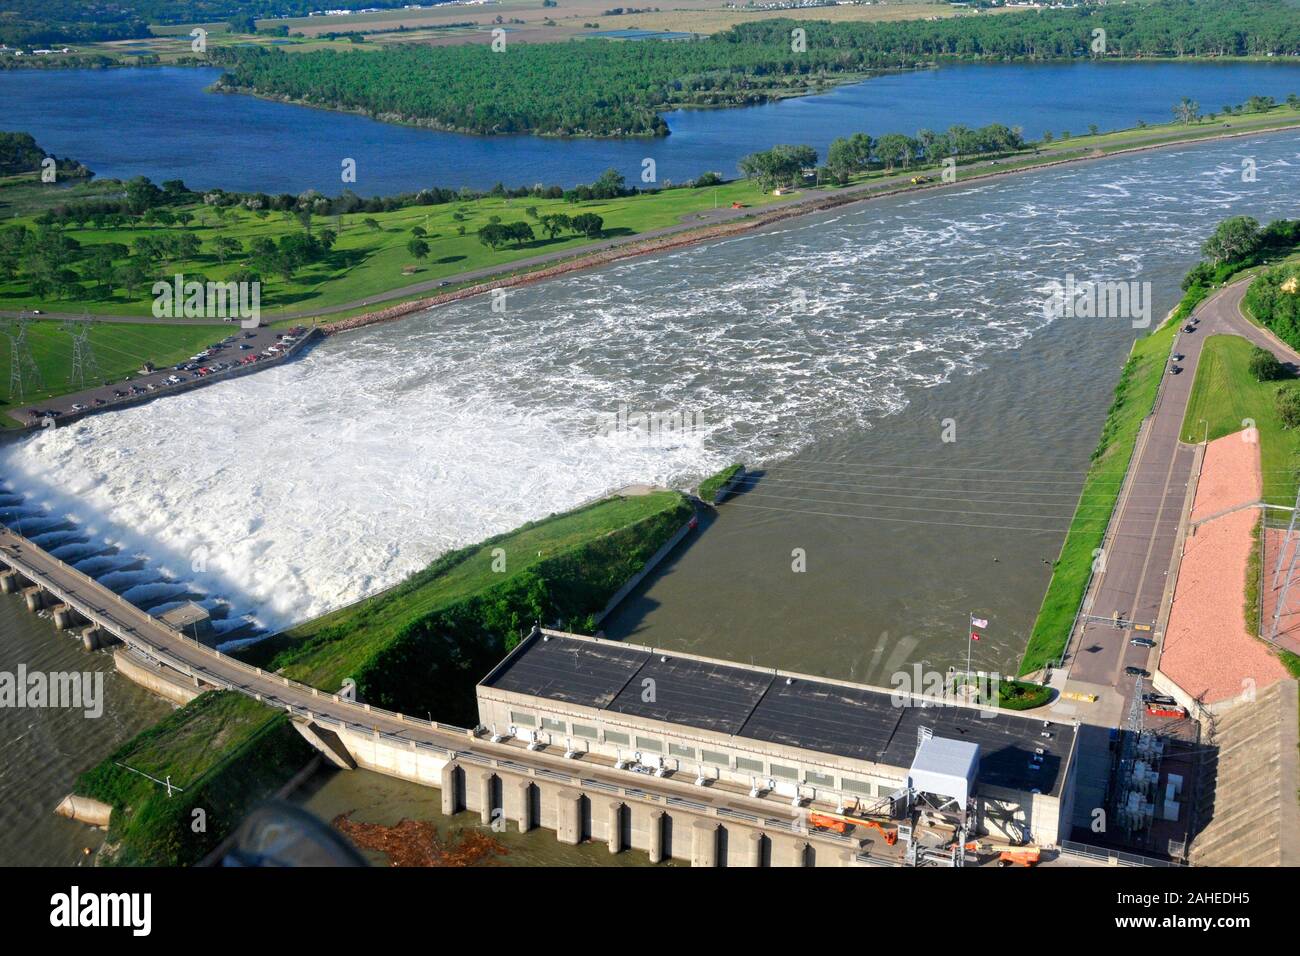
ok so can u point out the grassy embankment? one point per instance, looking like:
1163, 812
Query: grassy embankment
1224, 395
421, 646
710, 486
371, 259
224, 751
1134, 396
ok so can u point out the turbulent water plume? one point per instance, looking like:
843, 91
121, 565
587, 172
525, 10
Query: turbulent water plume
301, 488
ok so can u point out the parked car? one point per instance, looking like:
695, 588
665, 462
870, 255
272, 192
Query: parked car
1132, 671
1158, 699
1142, 642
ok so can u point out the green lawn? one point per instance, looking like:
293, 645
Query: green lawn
324, 651
1224, 394
119, 350
710, 486
224, 752
366, 260
1134, 396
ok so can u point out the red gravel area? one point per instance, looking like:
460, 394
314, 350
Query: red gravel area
1207, 649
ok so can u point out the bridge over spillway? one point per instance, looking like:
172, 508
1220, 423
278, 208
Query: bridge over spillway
580, 799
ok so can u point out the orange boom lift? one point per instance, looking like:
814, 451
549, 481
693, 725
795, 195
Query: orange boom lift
1009, 854
840, 823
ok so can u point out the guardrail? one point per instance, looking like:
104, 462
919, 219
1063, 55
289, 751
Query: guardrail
1114, 857
130, 634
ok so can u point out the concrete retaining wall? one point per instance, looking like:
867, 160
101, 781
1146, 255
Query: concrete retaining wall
655, 560
584, 810
166, 683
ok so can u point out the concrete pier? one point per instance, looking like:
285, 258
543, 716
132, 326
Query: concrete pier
36, 598
66, 618
614, 825
522, 804
655, 844
451, 804
11, 582
704, 843
485, 807
568, 812
84, 810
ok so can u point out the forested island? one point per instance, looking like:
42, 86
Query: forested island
618, 89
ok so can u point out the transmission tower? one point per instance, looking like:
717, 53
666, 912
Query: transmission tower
22, 365
83, 354
1291, 543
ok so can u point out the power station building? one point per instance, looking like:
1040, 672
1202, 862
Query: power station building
821, 742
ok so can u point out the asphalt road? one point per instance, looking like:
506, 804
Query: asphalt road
159, 642
98, 398
1140, 545
689, 221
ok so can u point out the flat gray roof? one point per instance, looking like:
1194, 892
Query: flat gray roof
852, 721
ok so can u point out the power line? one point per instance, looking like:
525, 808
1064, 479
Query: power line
21, 362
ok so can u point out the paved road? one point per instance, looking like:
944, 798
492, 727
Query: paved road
232, 342
1140, 545
689, 221
159, 642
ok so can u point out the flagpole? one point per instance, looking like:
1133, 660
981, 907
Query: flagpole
970, 617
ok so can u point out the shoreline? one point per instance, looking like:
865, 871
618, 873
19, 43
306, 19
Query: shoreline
685, 235
703, 234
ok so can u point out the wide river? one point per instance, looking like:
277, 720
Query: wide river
829, 352
160, 122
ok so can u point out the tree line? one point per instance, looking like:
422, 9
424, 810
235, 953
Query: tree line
619, 89
786, 165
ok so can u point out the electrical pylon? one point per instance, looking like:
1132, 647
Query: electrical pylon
22, 364
83, 354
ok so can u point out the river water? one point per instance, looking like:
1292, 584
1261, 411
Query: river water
160, 122
829, 352
42, 751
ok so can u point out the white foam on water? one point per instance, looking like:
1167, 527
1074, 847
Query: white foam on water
299, 489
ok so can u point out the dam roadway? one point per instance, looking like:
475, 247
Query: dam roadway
459, 759
1142, 544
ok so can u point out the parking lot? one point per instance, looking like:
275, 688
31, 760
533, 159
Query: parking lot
230, 353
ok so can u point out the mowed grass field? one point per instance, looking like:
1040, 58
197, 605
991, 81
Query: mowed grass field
324, 651
1225, 394
369, 260
118, 349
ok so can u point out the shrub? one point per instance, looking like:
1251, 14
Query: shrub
1265, 366
1287, 403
